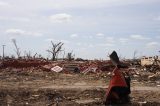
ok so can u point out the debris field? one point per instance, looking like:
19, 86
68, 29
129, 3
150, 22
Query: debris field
71, 83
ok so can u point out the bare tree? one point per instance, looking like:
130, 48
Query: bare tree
70, 56
134, 54
3, 51
34, 56
55, 50
18, 52
28, 54
64, 54
40, 56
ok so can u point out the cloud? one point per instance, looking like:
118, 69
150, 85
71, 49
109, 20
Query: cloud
61, 18
158, 37
110, 39
15, 31
123, 40
79, 44
22, 19
20, 32
49, 39
87, 36
100, 35
72, 4
90, 37
64, 41
90, 45
106, 44
74, 35
139, 37
62, 4
157, 18
152, 44
57, 40
3, 4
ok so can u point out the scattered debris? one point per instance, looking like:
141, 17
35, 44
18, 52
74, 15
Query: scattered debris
22, 63
56, 69
77, 82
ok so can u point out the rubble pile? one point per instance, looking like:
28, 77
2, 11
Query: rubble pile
84, 67
80, 67
22, 63
86, 80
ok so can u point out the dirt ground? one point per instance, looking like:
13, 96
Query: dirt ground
35, 87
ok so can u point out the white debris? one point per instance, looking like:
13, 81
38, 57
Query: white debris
90, 69
56, 69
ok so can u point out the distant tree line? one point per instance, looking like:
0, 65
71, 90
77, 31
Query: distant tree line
55, 50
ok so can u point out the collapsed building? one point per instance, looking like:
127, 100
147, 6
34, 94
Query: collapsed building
151, 64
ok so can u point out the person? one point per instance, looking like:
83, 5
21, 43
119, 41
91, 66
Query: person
119, 87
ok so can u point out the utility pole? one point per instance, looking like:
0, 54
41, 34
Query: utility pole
3, 50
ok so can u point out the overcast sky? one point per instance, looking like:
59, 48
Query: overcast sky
89, 28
